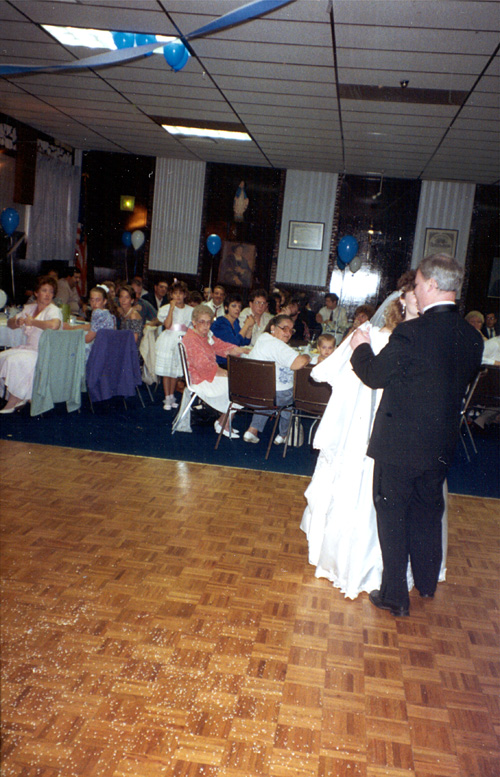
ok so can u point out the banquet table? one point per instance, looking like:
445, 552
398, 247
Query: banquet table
10, 338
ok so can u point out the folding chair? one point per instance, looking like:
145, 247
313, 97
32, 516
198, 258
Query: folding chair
309, 400
113, 366
252, 386
482, 394
188, 397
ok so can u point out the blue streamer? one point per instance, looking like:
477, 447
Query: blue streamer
118, 57
240, 15
97, 60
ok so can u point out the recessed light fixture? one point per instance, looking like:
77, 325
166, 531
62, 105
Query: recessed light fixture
93, 39
197, 132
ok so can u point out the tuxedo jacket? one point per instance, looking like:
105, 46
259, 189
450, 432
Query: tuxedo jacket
424, 370
151, 298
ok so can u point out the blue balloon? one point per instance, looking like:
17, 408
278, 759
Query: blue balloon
340, 264
123, 40
213, 244
9, 220
347, 248
183, 61
176, 54
143, 40
127, 239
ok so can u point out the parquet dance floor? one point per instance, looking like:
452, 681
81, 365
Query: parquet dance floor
160, 618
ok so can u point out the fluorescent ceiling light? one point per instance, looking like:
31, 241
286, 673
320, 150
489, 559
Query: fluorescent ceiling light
92, 39
196, 132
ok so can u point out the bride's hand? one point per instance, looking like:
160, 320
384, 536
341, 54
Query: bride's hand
359, 337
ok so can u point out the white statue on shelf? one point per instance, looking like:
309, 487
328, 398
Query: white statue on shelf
240, 202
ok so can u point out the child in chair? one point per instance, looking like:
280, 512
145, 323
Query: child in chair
326, 346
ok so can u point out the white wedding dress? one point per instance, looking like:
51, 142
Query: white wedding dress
340, 520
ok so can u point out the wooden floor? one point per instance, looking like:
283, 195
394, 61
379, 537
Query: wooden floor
160, 618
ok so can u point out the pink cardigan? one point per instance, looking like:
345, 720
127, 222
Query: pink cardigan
201, 355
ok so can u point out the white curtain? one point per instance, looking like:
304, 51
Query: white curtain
177, 214
55, 211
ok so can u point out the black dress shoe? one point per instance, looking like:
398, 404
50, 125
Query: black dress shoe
427, 596
377, 600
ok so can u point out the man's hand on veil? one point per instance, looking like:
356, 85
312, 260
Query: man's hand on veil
359, 337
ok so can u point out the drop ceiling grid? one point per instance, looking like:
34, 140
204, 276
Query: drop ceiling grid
277, 74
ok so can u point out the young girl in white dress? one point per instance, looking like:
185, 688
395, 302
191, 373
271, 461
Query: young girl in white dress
339, 519
176, 318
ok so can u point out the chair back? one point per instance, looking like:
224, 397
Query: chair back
113, 367
59, 371
185, 368
252, 382
487, 389
308, 395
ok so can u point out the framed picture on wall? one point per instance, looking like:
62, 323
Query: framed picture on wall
237, 264
440, 241
306, 235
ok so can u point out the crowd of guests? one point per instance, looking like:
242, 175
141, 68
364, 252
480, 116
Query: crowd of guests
211, 323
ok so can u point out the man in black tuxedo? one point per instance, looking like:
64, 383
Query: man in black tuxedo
159, 296
424, 371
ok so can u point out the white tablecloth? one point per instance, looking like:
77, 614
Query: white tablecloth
10, 338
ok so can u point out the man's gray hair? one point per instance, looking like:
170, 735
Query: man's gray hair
445, 270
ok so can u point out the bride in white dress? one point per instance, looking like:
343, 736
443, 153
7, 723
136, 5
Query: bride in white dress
340, 520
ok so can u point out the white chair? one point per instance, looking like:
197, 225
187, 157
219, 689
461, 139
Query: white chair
188, 397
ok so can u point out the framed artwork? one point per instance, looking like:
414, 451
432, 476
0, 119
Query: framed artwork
306, 235
237, 265
440, 241
494, 286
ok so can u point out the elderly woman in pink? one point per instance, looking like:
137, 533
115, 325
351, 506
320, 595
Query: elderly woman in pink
17, 365
209, 379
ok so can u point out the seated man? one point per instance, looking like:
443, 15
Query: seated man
490, 328
159, 296
67, 293
332, 317
138, 284
143, 307
258, 309
301, 330
217, 302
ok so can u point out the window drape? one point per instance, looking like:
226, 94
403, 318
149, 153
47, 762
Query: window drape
54, 215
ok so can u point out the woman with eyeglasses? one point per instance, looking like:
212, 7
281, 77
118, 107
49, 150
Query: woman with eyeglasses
272, 346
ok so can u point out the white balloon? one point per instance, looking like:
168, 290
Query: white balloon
137, 239
355, 264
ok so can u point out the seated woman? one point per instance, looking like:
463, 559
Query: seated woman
101, 317
176, 317
227, 327
17, 365
129, 318
272, 347
362, 314
206, 375
476, 319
